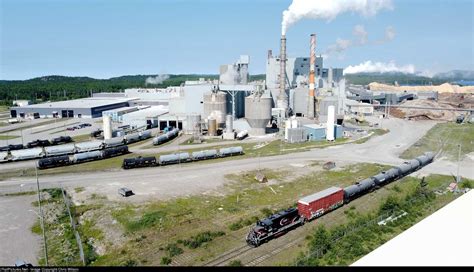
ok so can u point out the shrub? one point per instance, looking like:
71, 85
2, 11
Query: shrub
201, 238
165, 260
235, 263
173, 250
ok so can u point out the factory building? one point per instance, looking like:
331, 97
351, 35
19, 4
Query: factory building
148, 117
80, 108
317, 132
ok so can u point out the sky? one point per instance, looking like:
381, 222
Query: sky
109, 38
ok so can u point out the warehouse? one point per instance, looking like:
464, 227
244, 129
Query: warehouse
317, 132
80, 108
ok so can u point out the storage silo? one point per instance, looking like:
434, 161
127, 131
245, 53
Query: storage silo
215, 105
211, 127
229, 127
193, 124
107, 123
258, 112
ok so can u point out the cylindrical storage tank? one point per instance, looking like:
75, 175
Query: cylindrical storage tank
60, 149
330, 123
212, 127
294, 123
86, 156
107, 126
193, 124
287, 127
215, 104
229, 124
258, 112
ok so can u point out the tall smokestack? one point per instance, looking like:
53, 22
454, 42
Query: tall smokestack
312, 63
282, 101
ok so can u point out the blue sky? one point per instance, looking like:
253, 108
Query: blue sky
107, 38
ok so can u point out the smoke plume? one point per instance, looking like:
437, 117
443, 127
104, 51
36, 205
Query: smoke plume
379, 67
156, 80
329, 9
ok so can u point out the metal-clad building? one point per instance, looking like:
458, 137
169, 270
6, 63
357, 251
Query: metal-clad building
86, 107
317, 132
147, 117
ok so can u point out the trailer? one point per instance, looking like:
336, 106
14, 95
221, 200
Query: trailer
317, 204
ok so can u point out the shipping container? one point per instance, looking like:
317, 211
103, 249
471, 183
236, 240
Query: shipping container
317, 204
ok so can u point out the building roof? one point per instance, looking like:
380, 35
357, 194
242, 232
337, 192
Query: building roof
91, 102
329, 191
445, 238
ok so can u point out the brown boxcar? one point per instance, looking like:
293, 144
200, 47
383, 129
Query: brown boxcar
317, 204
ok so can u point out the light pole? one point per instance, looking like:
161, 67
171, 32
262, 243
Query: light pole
41, 217
458, 178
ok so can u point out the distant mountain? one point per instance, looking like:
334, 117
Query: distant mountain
456, 75
54, 87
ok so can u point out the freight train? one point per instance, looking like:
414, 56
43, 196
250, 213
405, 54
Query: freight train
320, 203
64, 160
43, 150
182, 157
168, 136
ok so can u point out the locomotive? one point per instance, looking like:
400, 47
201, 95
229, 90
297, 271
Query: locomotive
182, 157
320, 203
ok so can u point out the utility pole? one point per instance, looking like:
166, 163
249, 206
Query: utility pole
41, 217
458, 178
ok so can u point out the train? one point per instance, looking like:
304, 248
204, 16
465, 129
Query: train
168, 136
320, 203
182, 157
42, 150
37, 143
64, 160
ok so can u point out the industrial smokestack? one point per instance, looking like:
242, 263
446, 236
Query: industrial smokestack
282, 101
270, 55
312, 63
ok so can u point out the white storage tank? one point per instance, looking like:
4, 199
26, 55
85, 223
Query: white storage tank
107, 124
212, 127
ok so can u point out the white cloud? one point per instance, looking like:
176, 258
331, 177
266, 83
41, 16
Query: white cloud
361, 34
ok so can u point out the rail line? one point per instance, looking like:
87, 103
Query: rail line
224, 258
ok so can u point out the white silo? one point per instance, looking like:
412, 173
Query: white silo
330, 123
107, 126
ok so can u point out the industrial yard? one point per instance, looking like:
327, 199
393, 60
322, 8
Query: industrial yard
297, 165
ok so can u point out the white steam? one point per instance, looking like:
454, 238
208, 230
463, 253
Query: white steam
379, 67
156, 80
329, 9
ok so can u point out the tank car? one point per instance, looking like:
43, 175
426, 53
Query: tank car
138, 162
204, 154
116, 141
230, 151
160, 139
132, 138
60, 150
145, 134
114, 151
51, 162
26, 154
61, 140
174, 158
87, 156
359, 188
89, 146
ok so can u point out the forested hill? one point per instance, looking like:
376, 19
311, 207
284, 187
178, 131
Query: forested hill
54, 88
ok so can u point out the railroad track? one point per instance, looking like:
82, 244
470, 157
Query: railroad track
274, 252
224, 258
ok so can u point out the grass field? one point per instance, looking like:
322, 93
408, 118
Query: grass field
444, 138
203, 226
8, 137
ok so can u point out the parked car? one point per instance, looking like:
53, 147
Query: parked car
125, 192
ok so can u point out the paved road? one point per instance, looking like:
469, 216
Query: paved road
16, 239
186, 179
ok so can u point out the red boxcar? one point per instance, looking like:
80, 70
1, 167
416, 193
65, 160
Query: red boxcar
317, 204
